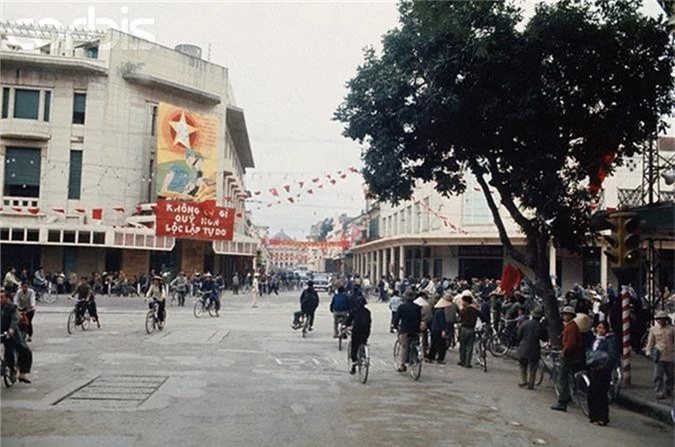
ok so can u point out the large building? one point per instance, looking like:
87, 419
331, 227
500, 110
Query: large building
456, 236
78, 146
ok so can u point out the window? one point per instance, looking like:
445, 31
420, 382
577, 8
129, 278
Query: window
475, 210
92, 52
48, 105
5, 102
22, 172
75, 175
79, 105
26, 104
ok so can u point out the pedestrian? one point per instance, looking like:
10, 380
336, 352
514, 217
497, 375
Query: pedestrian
11, 282
451, 319
394, 304
571, 357
530, 333
601, 359
468, 317
427, 315
24, 300
661, 348
438, 332
235, 284
255, 290
408, 323
9, 324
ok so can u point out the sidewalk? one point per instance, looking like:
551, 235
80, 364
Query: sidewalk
641, 396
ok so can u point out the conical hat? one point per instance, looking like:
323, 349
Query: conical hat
442, 303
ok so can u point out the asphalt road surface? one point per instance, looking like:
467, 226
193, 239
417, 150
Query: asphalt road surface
248, 379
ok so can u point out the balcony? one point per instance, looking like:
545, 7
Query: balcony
25, 129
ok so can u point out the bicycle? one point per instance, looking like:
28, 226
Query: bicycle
152, 321
415, 356
44, 294
344, 332
362, 360
202, 306
83, 321
8, 376
480, 348
504, 339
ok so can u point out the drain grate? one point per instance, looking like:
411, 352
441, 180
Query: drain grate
112, 392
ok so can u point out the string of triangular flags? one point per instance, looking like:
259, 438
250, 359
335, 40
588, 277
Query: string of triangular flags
444, 219
308, 186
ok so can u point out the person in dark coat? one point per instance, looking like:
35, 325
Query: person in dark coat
360, 321
438, 332
9, 319
601, 359
408, 324
309, 301
530, 333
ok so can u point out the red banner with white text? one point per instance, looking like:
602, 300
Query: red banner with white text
194, 220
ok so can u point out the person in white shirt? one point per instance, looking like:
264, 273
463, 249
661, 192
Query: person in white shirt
255, 289
25, 303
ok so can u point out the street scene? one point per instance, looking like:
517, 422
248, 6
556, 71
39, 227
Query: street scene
407, 223
247, 378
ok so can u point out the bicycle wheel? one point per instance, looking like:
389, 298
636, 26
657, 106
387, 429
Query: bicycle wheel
85, 320
614, 385
9, 377
174, 300
150, 321
349, 356
539, 378
415, 362
363, 363
497, 346
160, 324
212, 309
482, 355
581, 386
198, 310
340, 340
305, 326
70, 325
397, 354
48, 298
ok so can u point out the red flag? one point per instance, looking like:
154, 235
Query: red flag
315, 180
511, 277
119, 209
82, 210
97, 213
310, 191
33, 210
274, 192
59, 210
287, 188
290, 199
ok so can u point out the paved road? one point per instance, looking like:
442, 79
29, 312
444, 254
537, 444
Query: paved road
247, 379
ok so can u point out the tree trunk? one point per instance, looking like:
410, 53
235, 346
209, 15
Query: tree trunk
544, 288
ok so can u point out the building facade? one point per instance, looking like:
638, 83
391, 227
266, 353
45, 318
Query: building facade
78, 146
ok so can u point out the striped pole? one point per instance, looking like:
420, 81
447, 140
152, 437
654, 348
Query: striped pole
625, 317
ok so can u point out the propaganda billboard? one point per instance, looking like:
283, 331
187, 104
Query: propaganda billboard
186, 154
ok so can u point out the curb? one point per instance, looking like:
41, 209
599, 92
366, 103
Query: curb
656, 411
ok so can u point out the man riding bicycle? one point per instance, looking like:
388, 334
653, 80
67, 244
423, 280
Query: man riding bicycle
360, 321
85, 301
180, 286
309, 301
408, 324
24, 300
39, 280
156, 292
339, 306
211, 291
9, 324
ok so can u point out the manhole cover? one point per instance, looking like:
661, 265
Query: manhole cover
112, 392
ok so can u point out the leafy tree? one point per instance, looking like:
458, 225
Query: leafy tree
533, 110
326, 227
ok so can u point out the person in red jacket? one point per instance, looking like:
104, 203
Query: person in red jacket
571, 357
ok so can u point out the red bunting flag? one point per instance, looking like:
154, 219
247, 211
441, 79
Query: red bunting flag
33, 210
353, 169
119, 209
274, 192
82, 210
59, 210
320, 186
310, 191
343, 176
17, 209
290, 199
97, 213
328, 176
287, 188
269, 205
301, 183
333, 181
297, 195
257, 193
315, 180
243, 196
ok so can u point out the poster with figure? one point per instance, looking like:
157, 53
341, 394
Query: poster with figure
186, 154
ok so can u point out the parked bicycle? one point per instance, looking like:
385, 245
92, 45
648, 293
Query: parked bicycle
44, 294
505, 338
83, 321
203, 305
9, 376
415, 356
481, 347
152, 320
362, 360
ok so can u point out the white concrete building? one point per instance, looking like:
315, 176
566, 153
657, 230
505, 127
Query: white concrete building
78, 151
456, 236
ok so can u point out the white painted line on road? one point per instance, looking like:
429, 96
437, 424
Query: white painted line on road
316, 362
298, 409
287, 361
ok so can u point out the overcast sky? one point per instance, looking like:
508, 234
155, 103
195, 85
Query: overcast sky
288, 64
